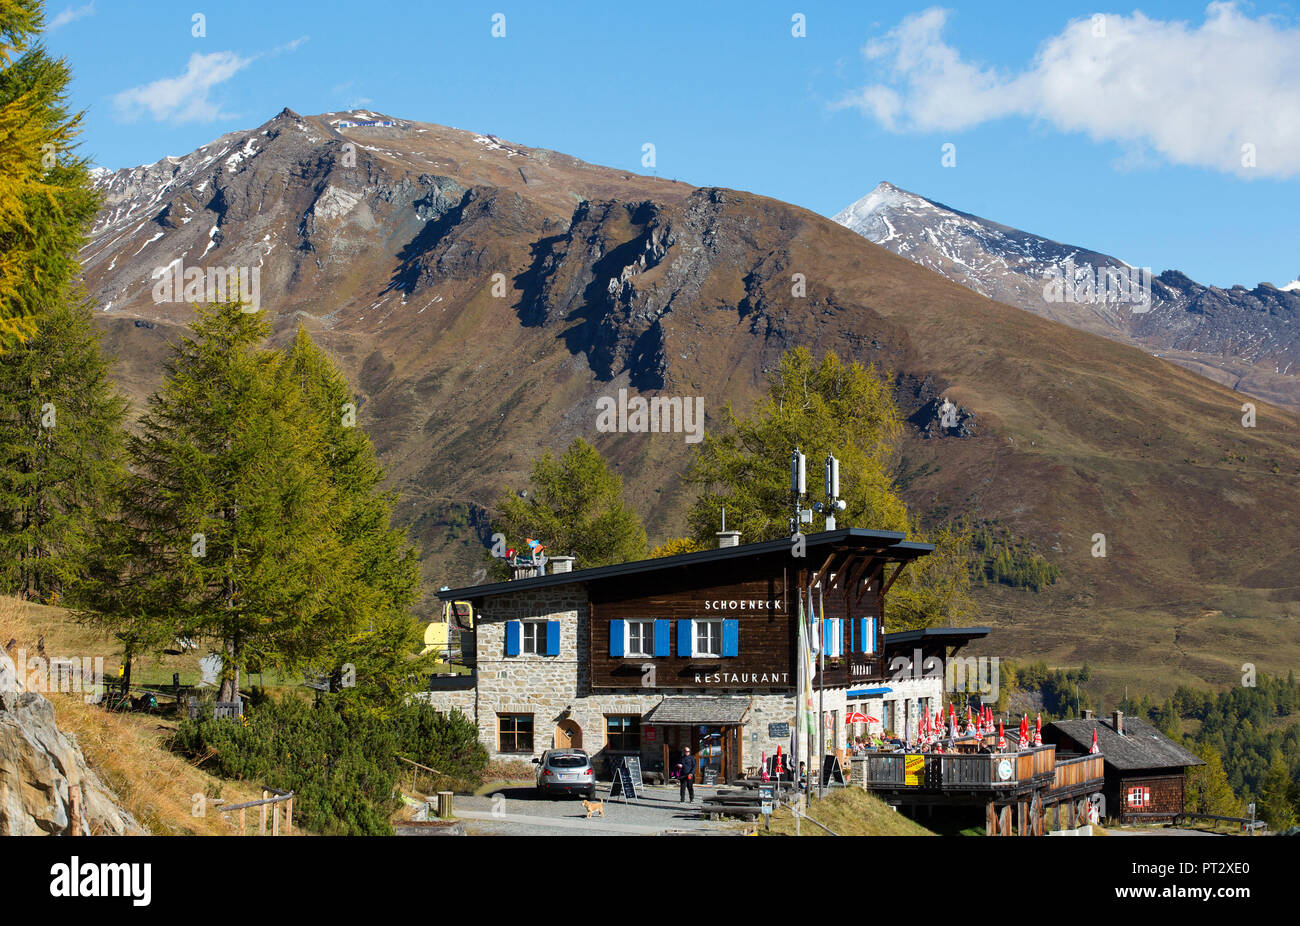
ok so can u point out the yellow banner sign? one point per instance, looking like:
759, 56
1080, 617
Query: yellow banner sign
913, 770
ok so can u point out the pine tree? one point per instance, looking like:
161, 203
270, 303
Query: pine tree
61, 453
227, 532
576, 508
1275, 806
1208, 790
380, 572
827, 407
45, 194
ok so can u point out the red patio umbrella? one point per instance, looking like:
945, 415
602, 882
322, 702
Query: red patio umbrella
1093, 750
1038, 730
1002, 739
1024, 731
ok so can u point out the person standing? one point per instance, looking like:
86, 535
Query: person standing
687, 777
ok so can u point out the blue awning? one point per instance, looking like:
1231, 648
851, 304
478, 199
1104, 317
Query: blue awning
868, 692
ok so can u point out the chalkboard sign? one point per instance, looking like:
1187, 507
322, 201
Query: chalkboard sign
778, 731
624, 786
633, 764
710, 776
831, 771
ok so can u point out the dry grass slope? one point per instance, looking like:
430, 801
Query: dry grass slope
128, 751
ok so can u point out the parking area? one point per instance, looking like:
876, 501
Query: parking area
516, 810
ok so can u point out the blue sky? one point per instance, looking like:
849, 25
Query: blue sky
1123, 134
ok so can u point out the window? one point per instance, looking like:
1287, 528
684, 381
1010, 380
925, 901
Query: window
623, 732
515, 733
640, 638
535, 637
708, 638
538, 638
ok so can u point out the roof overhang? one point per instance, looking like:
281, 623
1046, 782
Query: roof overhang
889, 545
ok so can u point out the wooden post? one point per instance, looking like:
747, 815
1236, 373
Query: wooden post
243, 825
275, 819
444, 805
990, 819
288, 817
1004, 826
74, 810
261, 830
1020, 817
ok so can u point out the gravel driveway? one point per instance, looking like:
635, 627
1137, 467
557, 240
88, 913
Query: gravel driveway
516, 810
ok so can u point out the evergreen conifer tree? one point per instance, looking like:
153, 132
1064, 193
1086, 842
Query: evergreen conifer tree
61, 453
45, 194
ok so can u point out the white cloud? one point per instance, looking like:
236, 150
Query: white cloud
184, 98
70, 15
1191, 95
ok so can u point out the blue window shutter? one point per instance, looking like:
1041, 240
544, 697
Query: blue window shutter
616, 637
663, 638
552, 638
869, 638
685, 630
848, 622
826, 636
512, 638
731, 638
864, 641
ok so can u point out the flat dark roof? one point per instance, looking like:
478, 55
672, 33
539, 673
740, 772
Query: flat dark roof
891, 542
950, 636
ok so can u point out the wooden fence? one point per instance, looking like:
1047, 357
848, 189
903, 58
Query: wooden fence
272, 799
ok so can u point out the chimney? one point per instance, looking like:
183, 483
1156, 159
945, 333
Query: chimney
1117, 721
728, 539
1087, 715
561, 564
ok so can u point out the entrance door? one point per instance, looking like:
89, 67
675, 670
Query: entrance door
568, 735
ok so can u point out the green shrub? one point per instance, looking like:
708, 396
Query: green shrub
341, 764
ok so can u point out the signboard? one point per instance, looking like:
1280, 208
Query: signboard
624, 786
633, 765
650, 733
1004, 770
913, 770
778, 731
831, 770
710, 776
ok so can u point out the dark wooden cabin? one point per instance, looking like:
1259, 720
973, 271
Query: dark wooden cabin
1145, 771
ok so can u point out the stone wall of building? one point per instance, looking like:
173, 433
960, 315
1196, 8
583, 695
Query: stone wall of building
556, 690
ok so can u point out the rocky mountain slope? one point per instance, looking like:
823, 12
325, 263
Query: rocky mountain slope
38, 764
1248, 339
482, 295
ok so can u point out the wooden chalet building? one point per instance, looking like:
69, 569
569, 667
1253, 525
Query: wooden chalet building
1145, 771
648, 657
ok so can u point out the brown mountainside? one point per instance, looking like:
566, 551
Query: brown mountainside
482, 295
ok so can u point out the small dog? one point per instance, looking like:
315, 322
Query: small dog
594, 807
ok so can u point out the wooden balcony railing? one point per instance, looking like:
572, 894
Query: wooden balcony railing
1077, 770
964, 772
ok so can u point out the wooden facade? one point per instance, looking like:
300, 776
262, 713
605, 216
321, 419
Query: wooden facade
760, 595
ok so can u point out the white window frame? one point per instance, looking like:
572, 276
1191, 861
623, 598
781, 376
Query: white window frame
538, 641
714, 635
647, 639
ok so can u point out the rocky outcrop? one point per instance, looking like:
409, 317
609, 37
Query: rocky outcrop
38, 766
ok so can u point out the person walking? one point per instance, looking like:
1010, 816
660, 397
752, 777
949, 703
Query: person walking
687, 777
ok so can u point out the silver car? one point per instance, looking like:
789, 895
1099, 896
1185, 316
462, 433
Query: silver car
565, 771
